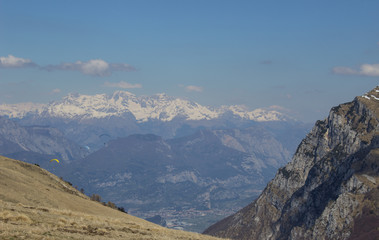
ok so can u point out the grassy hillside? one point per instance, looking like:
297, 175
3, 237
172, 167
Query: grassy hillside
35, 204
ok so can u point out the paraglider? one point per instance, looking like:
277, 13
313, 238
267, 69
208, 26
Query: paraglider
105, 138
54, 159
85, 150
104, 135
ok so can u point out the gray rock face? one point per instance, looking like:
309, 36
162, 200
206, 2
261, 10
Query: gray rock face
322, 192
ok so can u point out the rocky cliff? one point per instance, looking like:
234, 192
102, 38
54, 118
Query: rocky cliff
330, 189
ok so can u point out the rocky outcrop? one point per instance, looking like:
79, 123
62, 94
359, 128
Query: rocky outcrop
328, 189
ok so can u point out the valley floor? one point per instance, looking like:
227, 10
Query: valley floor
189, 220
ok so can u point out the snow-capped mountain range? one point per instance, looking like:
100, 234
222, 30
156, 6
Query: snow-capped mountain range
144, 108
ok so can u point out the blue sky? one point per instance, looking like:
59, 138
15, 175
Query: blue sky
303, 56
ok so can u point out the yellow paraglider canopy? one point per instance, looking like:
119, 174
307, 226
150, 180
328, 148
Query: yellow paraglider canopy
54, 160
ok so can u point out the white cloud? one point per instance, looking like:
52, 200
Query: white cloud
94, 67
192, 88
56, 90
15, 62
122, 84
121, 67
344, 70
277, 107
371, 70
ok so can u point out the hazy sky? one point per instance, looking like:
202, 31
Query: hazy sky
304, 56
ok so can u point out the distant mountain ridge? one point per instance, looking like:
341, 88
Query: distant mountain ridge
36, 143
83, 118
20, 110
143, 108
330, 189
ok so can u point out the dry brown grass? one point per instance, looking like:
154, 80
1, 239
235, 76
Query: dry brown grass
35, 204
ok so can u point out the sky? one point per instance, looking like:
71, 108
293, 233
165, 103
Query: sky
302, 57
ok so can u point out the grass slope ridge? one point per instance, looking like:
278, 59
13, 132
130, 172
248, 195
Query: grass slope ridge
35, 204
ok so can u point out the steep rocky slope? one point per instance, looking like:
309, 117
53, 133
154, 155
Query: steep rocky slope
35, 204
330, 188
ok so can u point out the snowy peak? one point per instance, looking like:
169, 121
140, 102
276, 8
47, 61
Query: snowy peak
20, 110
372, 95
260, 114
144, 108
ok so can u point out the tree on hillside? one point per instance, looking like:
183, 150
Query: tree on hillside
96, 197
